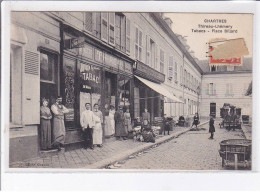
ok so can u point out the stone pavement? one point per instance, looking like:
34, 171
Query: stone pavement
191, 151
81, 158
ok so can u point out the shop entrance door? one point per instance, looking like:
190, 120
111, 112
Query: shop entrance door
213, 109
110, 89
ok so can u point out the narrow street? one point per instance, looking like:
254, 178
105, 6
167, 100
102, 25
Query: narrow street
190, 151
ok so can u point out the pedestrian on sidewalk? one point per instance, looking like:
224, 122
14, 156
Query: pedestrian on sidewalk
121, 131
87, 122
45, 133
127, 116
97, 132
195, 120
58, 123
107, 125
211, 127
112, 119
146, 116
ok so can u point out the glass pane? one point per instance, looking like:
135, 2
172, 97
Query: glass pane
47, 67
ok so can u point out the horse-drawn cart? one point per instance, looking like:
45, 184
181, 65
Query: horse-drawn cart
236, 153
231, 117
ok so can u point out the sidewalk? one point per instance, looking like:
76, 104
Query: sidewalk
111, 152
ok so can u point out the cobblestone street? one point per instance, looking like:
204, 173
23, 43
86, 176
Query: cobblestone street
190, 151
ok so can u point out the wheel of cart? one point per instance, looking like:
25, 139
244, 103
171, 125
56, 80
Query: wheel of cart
236, 153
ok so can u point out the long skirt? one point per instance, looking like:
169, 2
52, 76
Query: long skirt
97, 134
128, 125
108, 126
112, 120
120, 130
58, 131
45, 134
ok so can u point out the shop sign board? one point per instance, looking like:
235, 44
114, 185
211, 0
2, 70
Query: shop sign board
99, 56
121, 65
87, 51
90, 81
111, 61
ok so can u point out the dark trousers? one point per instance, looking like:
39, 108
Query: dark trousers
88, 137
211, 135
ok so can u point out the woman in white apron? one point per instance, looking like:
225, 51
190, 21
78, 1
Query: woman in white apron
112, 119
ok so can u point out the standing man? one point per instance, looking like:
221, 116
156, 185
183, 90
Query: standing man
87, 122
58, 123
121, 131
211, 127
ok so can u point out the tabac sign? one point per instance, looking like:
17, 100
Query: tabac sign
227, 52
90, 80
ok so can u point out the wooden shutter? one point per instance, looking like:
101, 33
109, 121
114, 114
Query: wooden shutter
170, 67
88, 21
117, 32
128, 28
148, 53
112, 28
104, 26
97, 24
156, 57
31, 88
123, 34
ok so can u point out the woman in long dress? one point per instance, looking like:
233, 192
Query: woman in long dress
112, 120
97, 131
121, 131
45, 125
128, 120
107, 122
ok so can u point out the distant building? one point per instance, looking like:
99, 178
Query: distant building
225, 84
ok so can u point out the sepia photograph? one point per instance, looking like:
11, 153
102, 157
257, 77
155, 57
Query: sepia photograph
130, 90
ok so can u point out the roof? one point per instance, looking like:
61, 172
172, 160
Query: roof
247, 66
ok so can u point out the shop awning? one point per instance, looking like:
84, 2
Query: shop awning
159, 88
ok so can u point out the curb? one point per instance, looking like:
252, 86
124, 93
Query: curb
126, 154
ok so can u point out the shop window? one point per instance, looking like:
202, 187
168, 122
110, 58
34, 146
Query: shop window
124, 91
161, 61
138, 44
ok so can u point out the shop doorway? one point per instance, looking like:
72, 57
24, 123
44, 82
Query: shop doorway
110, 89
213, 109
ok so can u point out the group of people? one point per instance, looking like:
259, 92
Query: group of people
52, 136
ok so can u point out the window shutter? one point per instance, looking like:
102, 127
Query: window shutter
170, 67
117, 32
31, 90
88, 21
148, 54
128, 28
97, 24
207, 89
123, 33
104, 26
112, 28
156, 56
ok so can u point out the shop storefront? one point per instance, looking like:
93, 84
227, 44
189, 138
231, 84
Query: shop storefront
95, 75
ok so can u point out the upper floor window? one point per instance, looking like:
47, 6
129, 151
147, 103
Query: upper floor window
138, 44
181, 75
150, 52
211, 89
161, 61
170, 67
229, 89
213, 68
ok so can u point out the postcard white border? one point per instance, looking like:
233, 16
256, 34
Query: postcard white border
100, 179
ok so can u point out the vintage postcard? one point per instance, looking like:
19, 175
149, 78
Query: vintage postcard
130, 90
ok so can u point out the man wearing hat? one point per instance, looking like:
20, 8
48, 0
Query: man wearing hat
120, 129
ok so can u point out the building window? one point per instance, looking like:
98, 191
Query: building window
189, 80
128, 27
229, 89
181, 75
176, 73
112, 28
47, 66
138, 44
88, 21
213, 68
185, 78
161, 61
104, 26
211, 89
230, 68
120, 32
